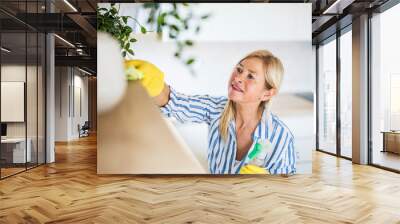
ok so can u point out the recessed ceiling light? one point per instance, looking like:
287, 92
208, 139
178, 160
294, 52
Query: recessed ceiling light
70, 5
5, 50
86, 72
338, 6
64, 40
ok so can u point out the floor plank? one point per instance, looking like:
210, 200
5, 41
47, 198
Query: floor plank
70, 191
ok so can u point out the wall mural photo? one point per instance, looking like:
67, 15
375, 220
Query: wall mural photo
223, 89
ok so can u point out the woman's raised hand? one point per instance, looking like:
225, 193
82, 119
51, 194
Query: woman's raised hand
150, 76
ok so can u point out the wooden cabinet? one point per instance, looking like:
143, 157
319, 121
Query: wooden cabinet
391, 141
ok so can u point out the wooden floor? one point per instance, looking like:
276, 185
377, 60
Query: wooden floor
387, 159
69, 191
10, 171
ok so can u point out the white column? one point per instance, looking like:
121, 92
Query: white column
63, 102
50, 108
360, 90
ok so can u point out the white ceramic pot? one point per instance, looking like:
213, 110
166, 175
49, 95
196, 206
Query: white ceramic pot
111, 81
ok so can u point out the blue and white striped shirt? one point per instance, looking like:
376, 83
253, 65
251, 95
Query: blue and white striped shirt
221, 154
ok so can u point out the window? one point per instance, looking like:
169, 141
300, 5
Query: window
327, 97
346, 94
385, 89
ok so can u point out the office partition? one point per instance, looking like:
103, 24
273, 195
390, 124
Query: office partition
22, 77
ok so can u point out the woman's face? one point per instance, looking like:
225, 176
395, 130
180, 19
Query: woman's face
247, 82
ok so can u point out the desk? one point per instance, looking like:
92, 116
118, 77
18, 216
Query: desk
391, 141
15, 148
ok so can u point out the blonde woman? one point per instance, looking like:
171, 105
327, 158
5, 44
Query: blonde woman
235, 122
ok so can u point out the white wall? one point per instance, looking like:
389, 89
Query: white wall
68, 82
61, 103
33, 127
14, 73
254, 22
239, 21
18, 73
79, 117
216, 60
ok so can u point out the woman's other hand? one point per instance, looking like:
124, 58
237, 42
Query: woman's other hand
253, 169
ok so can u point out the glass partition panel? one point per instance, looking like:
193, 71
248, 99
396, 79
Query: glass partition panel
14, 153
31, 100
41, 79
385, 85
346, 94
327, 96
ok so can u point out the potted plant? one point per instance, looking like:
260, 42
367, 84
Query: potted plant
174, 20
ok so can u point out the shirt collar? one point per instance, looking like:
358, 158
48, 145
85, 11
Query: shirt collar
261, 127
266, 120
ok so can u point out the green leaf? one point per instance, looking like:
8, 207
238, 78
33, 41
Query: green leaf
174, 27
205, 16
117, 26
190, 61
176, 15
172, 36
114, 11
161, 19
148, 5
189, 43
159, 29
143, 29
125, 19
127, 30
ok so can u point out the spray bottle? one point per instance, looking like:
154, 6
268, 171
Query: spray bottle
255, 158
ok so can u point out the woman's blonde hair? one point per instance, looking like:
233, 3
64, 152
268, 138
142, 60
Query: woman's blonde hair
273, 78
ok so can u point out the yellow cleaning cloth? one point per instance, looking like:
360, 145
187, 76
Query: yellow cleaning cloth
151, 77
253, 169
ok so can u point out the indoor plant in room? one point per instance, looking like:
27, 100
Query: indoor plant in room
172, 19
116, 39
